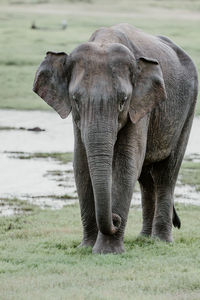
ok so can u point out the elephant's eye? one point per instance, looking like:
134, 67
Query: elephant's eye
122, 102
75, 99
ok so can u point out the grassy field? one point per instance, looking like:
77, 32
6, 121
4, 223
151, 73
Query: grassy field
39, 259
22, 49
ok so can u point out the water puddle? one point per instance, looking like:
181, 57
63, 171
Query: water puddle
35, 180
45, 181
57, 137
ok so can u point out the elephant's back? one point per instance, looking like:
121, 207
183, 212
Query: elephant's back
173, 59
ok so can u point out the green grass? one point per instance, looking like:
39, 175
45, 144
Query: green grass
63, 157
39, 259
21, 206
22, 49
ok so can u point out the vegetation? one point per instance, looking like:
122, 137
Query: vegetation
61, 156
23, 49
39, 259
19, 206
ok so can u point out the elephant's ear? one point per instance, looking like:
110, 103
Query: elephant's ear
148, 89
51, 82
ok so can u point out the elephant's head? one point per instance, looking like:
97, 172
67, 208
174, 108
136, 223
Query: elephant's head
104, 86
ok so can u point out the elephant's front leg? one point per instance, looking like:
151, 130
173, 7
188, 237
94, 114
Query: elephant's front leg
148, 192
85, 193
123, 180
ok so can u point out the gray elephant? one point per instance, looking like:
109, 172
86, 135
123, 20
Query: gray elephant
132, 97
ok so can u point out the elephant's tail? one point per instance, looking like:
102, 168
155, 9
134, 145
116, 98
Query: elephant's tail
176, 220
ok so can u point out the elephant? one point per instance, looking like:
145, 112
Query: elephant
132, 96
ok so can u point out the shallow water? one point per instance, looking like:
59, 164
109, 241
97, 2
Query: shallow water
45, 181
32, 179
57, 137
58, 134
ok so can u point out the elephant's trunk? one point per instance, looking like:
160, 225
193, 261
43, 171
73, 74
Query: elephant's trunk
99, 148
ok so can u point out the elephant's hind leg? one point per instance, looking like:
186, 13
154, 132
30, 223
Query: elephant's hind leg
165, 175
148, 192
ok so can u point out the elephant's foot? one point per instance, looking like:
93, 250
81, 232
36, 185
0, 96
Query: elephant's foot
163, 237
162, 231
89, 242
146, 232
107, 244
89, 238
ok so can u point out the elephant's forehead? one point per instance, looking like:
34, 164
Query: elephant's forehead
100, 68
102, 55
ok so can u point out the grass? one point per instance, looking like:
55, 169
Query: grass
19, 206
63, 157
23, 49
56, 197
39, 259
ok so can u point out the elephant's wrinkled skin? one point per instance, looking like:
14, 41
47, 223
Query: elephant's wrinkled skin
132, 97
